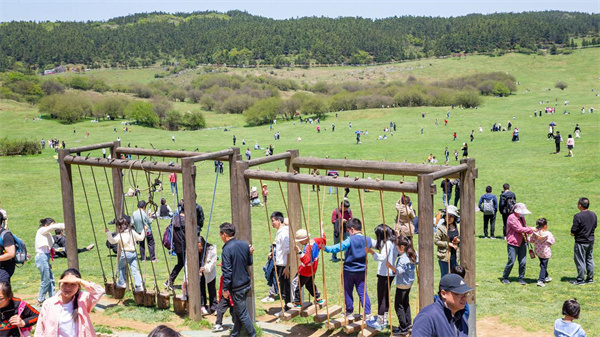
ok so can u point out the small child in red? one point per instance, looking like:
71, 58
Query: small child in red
309, 260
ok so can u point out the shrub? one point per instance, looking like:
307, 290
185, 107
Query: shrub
68, 107
236, 104
80, 83
410, 97
142, 112
172, 121
13, 147
194, 95
98, 85
207, 102
52, 87
142, 91
263, 111
161, 105
468, 99
290, 107
113, 106
561, 85
315, 106
194, 120
500, 89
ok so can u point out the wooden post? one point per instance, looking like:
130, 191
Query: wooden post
426, 259
191, 238
467, 232
294, 215
233, 193
240, 207
66, 183
117, 178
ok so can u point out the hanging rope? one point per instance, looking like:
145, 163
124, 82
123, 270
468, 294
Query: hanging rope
362, 215
312, 262
273, 253
91, 221
212, 205
104, 222
340, 239
320, 210
387, 257
151, 201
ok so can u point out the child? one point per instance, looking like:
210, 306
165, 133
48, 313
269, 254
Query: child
405, 276
265, 193
309, 261
386, 243
354, 265
564, 327
542, 240
208, 274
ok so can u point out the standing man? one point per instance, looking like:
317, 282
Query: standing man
445, 316
282, 252
557, 140
488, 205
234, 139
173, 180
357, 137
446, 186
141, 221
237, 256
507, 201
584, 225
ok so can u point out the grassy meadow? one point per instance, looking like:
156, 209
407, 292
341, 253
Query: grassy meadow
549, 184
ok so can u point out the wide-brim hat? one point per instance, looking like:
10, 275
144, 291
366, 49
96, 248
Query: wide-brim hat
254, 189
521, 208
452, 210
301, 235
454, 283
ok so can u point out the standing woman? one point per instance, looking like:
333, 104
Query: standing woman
406, 215
386, 238
516, 242
208, 275
126, 238
465, 150
16, 314
68, 312
43, 244
178, 223
447, 241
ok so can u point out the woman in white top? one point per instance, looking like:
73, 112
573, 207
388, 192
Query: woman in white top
43, 245
126, 239
386, 237
208, 275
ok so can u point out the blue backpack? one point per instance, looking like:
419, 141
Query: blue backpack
20, 249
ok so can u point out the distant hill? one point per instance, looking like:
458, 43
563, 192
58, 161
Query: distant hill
238, 38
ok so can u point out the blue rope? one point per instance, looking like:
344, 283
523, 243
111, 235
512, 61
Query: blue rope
212, 205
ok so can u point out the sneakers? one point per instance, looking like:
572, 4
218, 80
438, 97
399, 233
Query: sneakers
138, 289
522, 282
590, 281
321, 301
268, 299
548, 279
577, 282
541, 284
218, 328
168, 285
399, 332
493, 237
203, 311
335, 259
375, 325
505, 281
279, 314
90, 247
293, 305
154, 260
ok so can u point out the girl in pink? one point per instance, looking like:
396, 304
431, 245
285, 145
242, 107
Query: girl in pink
542, 239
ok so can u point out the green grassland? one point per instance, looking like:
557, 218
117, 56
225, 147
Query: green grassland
549, 184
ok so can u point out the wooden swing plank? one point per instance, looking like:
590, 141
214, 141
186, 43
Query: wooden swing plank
353, 327
340, 321
291, 313
322, 316
368, 332
308, 309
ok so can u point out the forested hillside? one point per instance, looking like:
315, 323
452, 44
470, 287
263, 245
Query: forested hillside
238, 38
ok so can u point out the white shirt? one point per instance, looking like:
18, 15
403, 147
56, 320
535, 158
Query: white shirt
210, 272
67, 327
282, 250
43, 237
389, 253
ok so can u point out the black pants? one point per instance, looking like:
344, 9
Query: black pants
543, 270
491, 219
557, 147
504, 218
150, 239
284, 285
177, 268
383, 298
221, 309
212, 303
241, 317
306, 281
402, 305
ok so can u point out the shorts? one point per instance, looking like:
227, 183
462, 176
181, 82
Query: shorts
570, 147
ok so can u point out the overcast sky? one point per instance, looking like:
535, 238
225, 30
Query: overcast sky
83, 10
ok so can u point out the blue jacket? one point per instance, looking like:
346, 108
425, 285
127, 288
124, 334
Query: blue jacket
436, 320
405, 275
355, 255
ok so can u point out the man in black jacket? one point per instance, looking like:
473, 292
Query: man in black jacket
584, 225
236, 255
507, 200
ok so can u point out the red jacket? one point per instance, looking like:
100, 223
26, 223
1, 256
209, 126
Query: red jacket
309, 257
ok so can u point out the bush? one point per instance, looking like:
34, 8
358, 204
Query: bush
290, 107
194, 95
178, 95
172, 121
500, 89
161, 105
236, 104
315, 106
98, 85
207, 102
468, 99
68, 107
13, 147
561, 85
113, 106
80, 83
142, 112
263, 112
410, 97
194, 120
51, 87
142, 91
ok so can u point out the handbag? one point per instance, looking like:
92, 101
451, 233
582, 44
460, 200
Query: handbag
531, 251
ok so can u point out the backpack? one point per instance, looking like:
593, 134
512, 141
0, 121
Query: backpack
167, 239
20, 248
509, 205
488, 207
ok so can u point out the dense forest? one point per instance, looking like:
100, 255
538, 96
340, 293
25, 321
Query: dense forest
240, 39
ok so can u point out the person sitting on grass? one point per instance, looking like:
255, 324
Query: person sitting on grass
565, 327
309, 261
60, 245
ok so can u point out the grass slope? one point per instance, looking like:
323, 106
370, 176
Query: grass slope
549, 184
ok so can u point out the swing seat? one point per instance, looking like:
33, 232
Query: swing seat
163, 300
322, 316
308, 309
109, 288
150, 298
138, 297
291, 313
180, 306
368, 332
118, 292
340, 321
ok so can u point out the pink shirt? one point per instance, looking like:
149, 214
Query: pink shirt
48, 319
542, 242
515, 228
